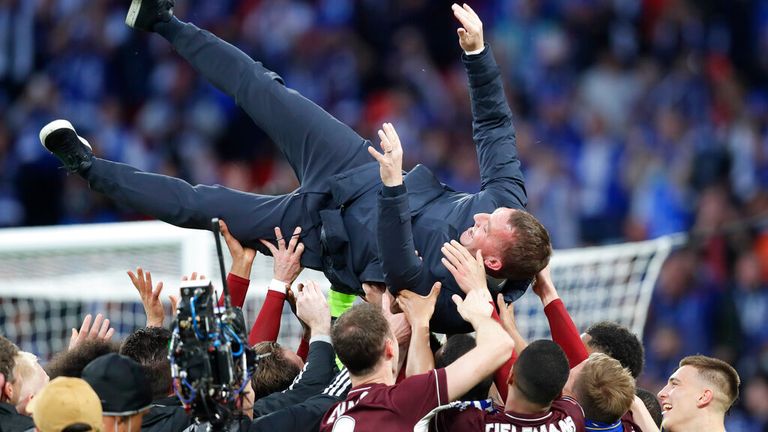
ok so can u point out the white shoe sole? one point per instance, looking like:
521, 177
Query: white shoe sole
133, 13
56, 125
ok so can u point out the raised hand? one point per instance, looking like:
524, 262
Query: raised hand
287, 265
242, 257
391, 161
99, 330
476, 305
468, 271
312, 308
419, 309
544, 287
150, 297
471, 31
374, 293
507, 316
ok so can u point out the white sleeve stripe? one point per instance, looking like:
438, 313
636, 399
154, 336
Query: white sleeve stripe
345, 386
437, 386
338, 381
298, 377
338, 388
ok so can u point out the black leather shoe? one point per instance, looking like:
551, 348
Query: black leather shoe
144, 14
60, 138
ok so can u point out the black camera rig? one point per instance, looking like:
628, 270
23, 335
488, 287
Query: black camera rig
211, 362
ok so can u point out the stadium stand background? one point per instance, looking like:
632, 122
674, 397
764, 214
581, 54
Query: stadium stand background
634, 119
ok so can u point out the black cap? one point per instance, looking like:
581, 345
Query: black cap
120, 383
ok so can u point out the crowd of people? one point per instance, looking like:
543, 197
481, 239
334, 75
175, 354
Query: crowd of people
361, 367
632, 121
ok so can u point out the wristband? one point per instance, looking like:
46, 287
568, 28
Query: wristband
279, 286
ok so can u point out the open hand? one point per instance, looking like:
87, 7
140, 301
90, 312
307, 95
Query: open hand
419, 309
468, 270
242, 257
150, 297
476, 305
391, 161
471, 32
287, 265
99, 330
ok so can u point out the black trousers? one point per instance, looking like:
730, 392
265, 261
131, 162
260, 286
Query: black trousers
315, 143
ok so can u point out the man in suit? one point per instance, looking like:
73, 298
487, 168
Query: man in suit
341, 207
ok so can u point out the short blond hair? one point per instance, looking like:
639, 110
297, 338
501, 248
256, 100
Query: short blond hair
718, 373
604, 389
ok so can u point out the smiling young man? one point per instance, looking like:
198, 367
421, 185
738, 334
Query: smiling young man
698, 395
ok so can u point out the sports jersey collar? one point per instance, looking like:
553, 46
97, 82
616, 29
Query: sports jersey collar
528, 417
591, 425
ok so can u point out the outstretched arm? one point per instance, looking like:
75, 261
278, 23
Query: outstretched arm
418, 310
402, 267
492, 128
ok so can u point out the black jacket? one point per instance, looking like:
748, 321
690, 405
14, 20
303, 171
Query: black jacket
317, 373
303, 417
12, 421
166, 415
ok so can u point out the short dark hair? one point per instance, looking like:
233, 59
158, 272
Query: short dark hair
72, 362
148, 346
528, 252
359, 336
618, 342
8, 352
274, 372
720, 374
604, 388
651, 403
456, 346
541, 372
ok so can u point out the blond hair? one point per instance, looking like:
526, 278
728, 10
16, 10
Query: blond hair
718, 373
604, 389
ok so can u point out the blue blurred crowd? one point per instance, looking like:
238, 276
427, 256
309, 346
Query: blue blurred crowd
634, 119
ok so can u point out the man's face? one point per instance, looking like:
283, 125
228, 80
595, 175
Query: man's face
293, 357
679, 399
489, 230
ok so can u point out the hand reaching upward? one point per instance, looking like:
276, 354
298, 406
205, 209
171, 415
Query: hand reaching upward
471, 32
391, 161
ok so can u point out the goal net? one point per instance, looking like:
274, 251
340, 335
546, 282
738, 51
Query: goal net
52, 277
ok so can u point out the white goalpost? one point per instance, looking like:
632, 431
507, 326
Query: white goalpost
50, 278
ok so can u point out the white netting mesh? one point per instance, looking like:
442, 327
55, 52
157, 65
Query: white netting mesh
52, 277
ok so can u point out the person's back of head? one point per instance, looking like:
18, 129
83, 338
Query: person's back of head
359, 337
32, 379
528, 253
8, 353
540, 373
275, 371
67, 405
148, 347
123, 389
651, 404
456, 346
605, 390
71, 363
618, 342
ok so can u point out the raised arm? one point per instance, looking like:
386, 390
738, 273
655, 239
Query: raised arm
239, 275
285, 270
418, 310
402, 267
563, 330
492, 128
